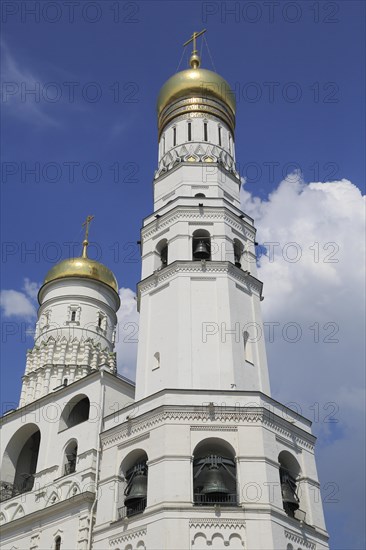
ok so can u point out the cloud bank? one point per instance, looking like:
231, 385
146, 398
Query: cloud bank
313, 271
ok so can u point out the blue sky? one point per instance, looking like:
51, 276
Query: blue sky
89, 133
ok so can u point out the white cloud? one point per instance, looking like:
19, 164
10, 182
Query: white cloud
31, 289
20, 304
16, 82
17, 304
323, 292
127, 335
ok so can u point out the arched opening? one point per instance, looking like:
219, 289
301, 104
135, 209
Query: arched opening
70, 457
75, 412
58, 543
238, 252
200, 195
289, 472
214, 473
248, 347
135, 474
162, 251
19, 462
201, 245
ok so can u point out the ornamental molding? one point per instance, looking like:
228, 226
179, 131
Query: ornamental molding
203, 278
128, 535
186, 213
80, 299
163, 232
206, 523
205, 267
214, 428
298, 539
133, 441
198, 415
289, 443
288, 436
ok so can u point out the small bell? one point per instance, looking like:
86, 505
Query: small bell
201, 251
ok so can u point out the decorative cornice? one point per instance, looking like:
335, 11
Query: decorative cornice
134, 440
298, 539
213, 428
206, 267
206, 523
191, 213
128, 535
288, 443
242, 415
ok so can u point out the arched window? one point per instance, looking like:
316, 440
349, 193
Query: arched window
58, 543
19, 462
289, 472
75, 412
230, 144
135, 474
238, 252
200, 195
162, 252
201, 245
248, 347
205, 131
214, 473
71, 453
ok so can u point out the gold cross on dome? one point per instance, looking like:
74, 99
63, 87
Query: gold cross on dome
84, 253
87, 223
193, 39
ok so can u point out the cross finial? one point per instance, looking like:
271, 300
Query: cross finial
195, 60
86, 241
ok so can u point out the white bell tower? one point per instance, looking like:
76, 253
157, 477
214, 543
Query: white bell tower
199, 298
205, 458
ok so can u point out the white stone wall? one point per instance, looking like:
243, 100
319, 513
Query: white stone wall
74, 335
57, 501
168, 427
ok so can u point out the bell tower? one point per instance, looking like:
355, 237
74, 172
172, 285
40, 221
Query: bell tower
199, 298
205, 458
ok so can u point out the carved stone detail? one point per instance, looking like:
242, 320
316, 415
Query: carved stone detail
239, 415
298, 539
195, 152
128, 535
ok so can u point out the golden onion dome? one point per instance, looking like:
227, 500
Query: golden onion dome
197, 86
82, 267
195, 82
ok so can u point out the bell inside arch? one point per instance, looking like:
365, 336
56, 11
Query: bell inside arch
201, 250
290, 500
214, 483
138, 488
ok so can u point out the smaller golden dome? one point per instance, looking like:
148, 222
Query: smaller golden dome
82, 267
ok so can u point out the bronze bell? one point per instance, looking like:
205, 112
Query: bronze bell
201, 251
214, 482
289, 497
138, 489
